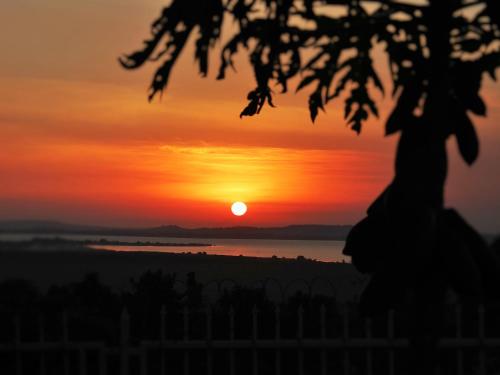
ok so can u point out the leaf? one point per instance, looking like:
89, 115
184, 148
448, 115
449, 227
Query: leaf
357, 127
306, 81
315, 103
373, 107
209, 31
357, 119
161, 76
314, 60
376, 80
468, 143
493, 7
138, 58
201, 54
257, 98
269, 98
341, 85
467, 84
492, 74
476, 105
347, 108
251, 109
160, 79
228, 51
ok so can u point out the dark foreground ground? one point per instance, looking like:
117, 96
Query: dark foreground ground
47, 267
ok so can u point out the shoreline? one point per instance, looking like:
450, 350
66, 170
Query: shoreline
56, 242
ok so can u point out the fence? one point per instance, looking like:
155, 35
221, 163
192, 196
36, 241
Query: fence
274, 352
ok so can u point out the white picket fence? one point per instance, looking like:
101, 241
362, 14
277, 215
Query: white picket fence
74, 355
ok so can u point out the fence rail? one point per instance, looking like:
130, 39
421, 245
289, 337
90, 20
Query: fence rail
76, 357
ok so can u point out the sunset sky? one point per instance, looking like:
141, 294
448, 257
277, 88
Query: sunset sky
80, 142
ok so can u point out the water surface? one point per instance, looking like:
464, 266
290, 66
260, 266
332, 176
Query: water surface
327, 251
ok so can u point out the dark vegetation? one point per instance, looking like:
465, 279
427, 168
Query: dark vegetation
412, 246
60, 264
438, 52
94, 308
93, 312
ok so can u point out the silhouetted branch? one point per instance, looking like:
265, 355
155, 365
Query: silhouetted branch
339, 35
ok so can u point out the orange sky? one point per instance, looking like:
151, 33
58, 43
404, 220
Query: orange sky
81, 143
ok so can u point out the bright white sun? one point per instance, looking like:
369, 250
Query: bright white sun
239, 208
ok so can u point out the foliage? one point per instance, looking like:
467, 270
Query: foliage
92, 308
328, 44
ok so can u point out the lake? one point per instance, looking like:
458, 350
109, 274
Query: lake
327, 251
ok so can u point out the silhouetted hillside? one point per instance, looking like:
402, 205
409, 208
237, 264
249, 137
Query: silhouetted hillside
291, 232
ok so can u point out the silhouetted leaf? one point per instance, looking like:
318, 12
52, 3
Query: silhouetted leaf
476, 105
257, 98
315, 103
467, 140
376, 80
306, 81
494, 11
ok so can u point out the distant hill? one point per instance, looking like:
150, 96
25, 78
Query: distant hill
291, 232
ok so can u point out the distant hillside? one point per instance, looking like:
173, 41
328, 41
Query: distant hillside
291, 232
295, 232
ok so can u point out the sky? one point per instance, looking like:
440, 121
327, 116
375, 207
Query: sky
81, 143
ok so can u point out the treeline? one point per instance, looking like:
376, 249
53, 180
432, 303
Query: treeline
93, 309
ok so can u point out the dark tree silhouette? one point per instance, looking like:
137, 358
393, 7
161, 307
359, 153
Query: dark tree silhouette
438, 52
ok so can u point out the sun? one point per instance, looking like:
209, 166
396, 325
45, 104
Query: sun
239, 208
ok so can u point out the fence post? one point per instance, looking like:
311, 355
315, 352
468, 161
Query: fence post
458, 334
323, 338
82, 361
185, 319
103, 366
481, 337
17, 345
231, 339
300, 336
277, 337
143, 352
345, 321
208, 313
41, 334
162, 339
369, 357
65, 339
255, 362
124, 342
390, 338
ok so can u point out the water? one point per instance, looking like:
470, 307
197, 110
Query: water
327, 251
